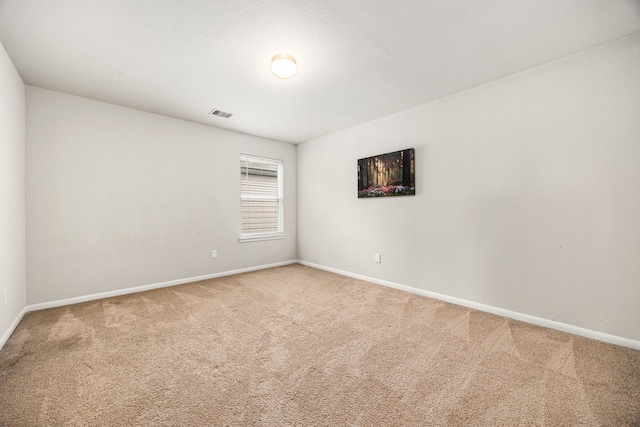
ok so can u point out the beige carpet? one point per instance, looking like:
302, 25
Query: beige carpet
295, 346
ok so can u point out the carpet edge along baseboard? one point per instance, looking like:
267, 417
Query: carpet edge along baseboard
576, 330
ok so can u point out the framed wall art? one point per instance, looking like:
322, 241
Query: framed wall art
390, 174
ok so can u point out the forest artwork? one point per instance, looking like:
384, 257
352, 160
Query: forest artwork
391, 174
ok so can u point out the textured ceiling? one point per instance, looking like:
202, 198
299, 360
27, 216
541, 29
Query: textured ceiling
358, 59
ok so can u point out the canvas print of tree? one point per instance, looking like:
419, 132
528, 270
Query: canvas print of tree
391, 174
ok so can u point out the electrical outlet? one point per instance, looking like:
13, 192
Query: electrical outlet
214, 254
377, 258
5, 296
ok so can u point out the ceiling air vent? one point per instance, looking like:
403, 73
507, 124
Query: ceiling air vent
216, 112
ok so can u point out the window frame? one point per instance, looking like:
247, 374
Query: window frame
244, 174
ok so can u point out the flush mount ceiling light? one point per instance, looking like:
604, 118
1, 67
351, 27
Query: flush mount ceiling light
284, 66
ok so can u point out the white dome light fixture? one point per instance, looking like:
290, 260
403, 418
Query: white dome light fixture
284, 66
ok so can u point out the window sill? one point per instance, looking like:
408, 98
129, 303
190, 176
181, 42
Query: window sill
261, 237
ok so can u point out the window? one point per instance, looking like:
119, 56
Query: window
261, 198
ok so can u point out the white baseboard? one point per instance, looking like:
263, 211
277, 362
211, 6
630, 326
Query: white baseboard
12, 327
92, 297
588, 333
576, 330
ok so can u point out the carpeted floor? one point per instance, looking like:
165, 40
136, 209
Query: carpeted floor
296, 346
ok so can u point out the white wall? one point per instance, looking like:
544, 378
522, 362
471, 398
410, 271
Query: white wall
12, 192
528, 194
119, 198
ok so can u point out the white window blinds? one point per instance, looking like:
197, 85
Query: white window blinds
261, 197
